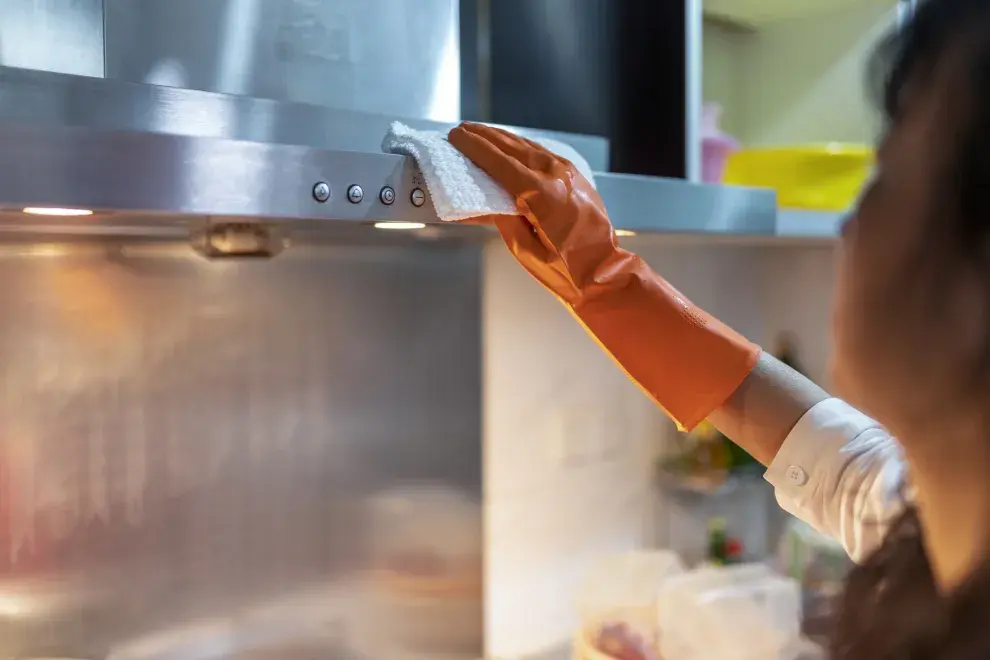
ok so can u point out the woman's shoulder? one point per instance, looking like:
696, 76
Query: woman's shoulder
967, 619
892, 610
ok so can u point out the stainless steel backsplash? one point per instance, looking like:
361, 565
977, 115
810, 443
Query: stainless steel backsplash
184, 440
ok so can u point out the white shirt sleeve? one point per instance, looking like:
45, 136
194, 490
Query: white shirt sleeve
842, 473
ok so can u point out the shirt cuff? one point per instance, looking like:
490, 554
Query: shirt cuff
818, 436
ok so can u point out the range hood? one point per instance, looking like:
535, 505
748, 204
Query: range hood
170, 155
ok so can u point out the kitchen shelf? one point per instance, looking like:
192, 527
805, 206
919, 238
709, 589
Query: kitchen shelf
655, 205
809, 224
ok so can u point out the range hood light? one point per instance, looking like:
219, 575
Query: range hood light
400, 225
46, 210
219, 239
624, 232
45, 251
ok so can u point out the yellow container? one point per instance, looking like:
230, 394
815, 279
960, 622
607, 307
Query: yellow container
824, 177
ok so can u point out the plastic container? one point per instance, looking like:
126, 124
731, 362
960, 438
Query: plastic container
617, 605
825, 177
425, 589
716, 146
745, 612
820, 564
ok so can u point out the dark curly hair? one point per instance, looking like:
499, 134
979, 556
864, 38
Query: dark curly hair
891, 608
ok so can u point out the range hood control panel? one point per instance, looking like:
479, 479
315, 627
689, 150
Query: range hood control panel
323, 193
399, 195
178, 175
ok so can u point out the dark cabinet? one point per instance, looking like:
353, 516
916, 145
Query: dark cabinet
603, 67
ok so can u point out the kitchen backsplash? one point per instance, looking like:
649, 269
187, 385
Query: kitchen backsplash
184, 442
569, 443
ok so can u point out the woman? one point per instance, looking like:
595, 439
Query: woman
921, 366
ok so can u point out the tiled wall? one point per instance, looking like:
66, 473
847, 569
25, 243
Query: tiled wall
569, 443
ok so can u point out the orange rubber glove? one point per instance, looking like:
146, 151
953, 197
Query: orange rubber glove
684, 359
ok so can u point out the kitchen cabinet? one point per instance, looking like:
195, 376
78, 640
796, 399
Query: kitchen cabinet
788, 73
595, 67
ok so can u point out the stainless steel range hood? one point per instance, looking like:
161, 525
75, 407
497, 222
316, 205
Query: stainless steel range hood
172, 154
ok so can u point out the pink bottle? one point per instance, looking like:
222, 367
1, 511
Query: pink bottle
716, 146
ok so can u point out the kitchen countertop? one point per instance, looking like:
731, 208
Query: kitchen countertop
806, 651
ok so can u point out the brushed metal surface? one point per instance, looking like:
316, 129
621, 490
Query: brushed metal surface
652, 204
65, 36
148, 172
694, 75
391, 57
48, 99
187, 447
178, 177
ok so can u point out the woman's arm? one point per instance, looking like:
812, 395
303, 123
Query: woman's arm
830, 465
760, 414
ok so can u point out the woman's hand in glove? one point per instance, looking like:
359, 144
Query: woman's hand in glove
685, 359
563, 236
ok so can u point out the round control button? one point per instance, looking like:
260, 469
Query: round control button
321, 191
387, 196
418, 197
355, 194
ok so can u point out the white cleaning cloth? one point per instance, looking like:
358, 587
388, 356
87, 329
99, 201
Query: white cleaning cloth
459, 188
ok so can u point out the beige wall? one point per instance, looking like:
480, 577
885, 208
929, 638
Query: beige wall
569, 443
723, 68
800, 80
